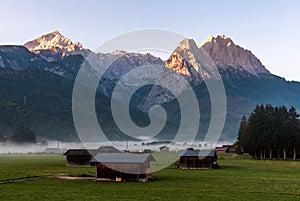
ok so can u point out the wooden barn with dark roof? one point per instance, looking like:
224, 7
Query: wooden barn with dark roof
197, 159
82, 157
123, 166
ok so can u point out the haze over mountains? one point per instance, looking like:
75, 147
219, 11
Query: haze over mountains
37, 81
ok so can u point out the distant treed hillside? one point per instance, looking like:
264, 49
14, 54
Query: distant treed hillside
42, 101
37, 99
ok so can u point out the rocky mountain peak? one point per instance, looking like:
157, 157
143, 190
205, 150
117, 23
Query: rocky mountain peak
187, 44
55, 42
183, 57
221, 40
188, 59
119, 52
226, 54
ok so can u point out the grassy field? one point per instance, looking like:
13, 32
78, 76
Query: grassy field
238, 179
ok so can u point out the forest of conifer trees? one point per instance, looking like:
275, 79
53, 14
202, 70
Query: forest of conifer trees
270, 132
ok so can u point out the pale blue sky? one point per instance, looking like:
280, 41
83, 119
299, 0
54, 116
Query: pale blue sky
270, 29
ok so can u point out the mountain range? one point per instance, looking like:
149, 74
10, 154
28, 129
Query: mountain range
36, 83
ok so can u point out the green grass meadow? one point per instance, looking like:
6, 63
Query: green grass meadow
239, 178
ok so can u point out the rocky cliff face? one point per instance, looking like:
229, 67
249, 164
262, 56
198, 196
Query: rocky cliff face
188, 60
226, 54
122, 63
53, 41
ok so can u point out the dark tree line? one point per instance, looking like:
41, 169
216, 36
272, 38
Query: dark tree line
23, 135
272, 131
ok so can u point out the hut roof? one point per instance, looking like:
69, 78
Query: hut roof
227, 145
93, 152
108, 149
197, 153
81, 152
122, 158
222, 148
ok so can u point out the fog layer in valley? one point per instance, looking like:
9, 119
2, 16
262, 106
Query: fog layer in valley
133, 146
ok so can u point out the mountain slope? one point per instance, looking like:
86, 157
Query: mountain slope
42, 101
17, 57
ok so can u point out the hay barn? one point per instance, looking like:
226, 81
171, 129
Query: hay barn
197, 159
123, 166
82, 157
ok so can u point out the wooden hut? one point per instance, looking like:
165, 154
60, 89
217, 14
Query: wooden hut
197, 159
231, 149
147, 151
82, 157
79, 157
123, 166
164, 149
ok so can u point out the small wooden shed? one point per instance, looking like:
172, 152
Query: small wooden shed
82, 157
79, 157
164, 149
197, 159
123, 166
